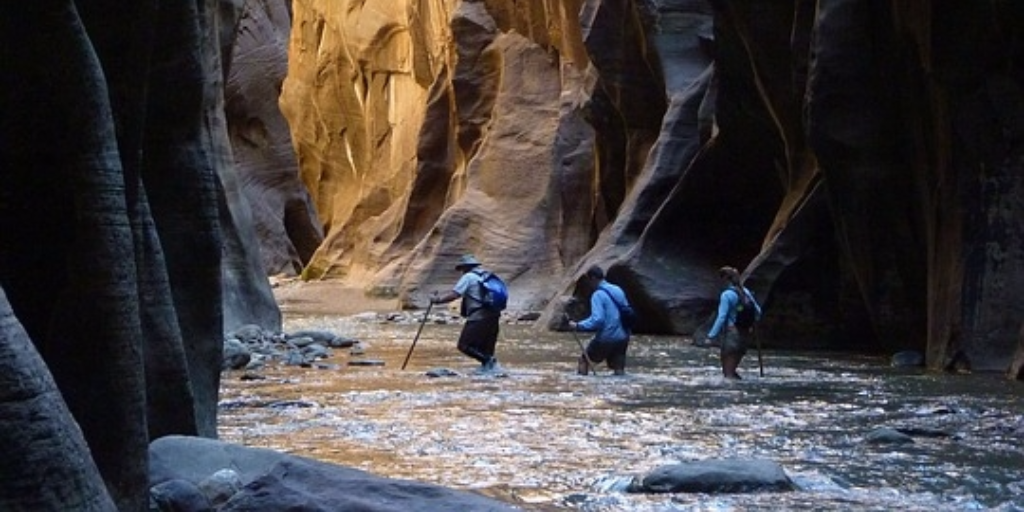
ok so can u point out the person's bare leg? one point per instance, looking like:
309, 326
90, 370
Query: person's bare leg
729, 364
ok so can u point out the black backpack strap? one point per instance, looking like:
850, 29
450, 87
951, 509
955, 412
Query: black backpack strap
741, 294
610, 296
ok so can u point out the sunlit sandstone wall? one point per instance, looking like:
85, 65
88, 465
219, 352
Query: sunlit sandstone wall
426, 129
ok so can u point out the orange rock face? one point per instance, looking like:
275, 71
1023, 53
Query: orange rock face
425, 130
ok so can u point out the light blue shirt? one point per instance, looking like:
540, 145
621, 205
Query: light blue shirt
604, 314
727, 303
469, 287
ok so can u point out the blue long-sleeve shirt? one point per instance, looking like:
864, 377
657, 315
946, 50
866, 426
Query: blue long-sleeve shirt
604, 314
727, 303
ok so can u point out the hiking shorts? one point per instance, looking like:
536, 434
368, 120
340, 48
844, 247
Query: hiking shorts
479, 337
734, 341
612, 351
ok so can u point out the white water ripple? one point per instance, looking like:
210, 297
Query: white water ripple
548, 439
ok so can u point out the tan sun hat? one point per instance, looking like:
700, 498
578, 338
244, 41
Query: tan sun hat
467, 260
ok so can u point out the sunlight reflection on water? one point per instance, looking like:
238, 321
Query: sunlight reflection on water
545, 438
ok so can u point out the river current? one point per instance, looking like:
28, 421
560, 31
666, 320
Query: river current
543, 438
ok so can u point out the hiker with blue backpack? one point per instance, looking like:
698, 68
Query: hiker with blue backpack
738, 310
481, 306
611, 338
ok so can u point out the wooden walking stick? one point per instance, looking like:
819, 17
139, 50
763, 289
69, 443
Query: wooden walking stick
586, 357
418, 331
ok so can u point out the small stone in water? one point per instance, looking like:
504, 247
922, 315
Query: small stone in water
442, 372
366, 362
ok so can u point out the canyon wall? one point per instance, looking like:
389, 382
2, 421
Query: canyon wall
860, 160
426, 130
127, 247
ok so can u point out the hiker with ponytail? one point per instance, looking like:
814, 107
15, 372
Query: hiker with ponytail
737, 312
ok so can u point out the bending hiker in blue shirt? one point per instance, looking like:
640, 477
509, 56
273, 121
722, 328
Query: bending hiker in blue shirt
736, 339
611, 339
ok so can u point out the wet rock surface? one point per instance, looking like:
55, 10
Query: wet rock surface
716, 476
237, 478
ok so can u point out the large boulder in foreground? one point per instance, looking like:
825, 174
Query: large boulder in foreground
715, 476
278, 481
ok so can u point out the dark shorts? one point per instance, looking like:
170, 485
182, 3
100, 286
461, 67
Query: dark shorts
734, 341
612, 351
479, 337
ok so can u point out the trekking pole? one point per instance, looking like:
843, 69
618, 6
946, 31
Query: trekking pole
757, 339
418, 331
586, 357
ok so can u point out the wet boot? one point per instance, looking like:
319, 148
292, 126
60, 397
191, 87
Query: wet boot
490, 365
582, 368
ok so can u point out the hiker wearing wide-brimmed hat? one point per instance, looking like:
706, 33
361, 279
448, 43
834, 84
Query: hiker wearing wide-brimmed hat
480, 333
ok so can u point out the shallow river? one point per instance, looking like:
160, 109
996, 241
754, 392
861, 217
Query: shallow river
545, 438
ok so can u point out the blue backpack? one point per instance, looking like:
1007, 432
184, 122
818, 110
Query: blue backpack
494, 290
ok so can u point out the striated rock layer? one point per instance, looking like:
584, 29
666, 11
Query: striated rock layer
428, 129
256, 61
861, 160
126, 249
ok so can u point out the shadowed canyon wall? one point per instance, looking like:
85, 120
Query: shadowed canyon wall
860, 159
126, 244
256, 60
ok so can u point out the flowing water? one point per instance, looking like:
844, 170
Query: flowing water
544, 438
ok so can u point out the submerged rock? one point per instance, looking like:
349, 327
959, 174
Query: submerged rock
887, 435
366, 362
908, 359
715, 476
442, 372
